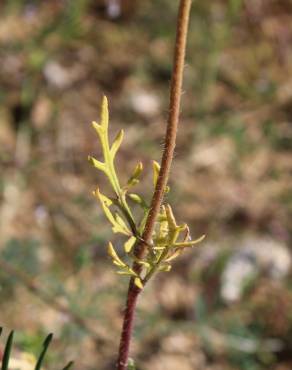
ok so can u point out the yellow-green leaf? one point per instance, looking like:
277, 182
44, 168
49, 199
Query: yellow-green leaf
156, 169
139, 200
120, 226
127, 273
108, 154
141, 262
165, 268
137, 172
97, 164
106, 203
170, 218
97, 128
190, 243
138, 282
174, 255
129, 244
113, 254
104, 114
136, 198
117, 143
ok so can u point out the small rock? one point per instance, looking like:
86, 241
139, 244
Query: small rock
254, 256
179, 343
144, 103
62, 77
113, 9
175, 362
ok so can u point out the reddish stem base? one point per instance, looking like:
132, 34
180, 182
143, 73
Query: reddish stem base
133, 293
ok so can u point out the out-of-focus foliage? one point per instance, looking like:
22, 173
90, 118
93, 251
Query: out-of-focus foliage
26, 361
232, 177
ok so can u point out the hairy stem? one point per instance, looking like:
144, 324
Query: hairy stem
170, 141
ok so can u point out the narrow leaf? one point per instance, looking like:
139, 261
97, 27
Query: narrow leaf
136, 174
138, 282
105, 203
127, 273
104, 114
170, 218
190, 243
97, 128
144, 263
164, 268
119, 229
156, 169
43, 353
121, 226
97, 164
141, 262
174, 255
139, 200
128, 245
7, 351
117, 143
113, 254
68, 366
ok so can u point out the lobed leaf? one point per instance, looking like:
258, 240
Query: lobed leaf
168, 239
118, 224
109, 153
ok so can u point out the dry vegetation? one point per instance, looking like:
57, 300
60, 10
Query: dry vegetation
232, 178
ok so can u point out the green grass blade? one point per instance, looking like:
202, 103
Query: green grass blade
7, 351
43, 353
68, 366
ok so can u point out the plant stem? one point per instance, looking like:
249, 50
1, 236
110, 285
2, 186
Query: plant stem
170, 141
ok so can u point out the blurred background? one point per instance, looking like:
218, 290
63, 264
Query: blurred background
227, 304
